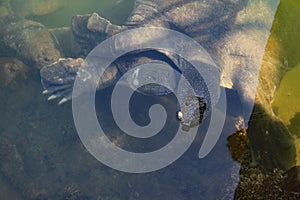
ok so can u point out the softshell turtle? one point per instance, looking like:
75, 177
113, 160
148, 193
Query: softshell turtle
203, 21
233, 32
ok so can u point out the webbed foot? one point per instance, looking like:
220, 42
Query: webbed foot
58, 79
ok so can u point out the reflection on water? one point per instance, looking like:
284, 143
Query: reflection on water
41, 155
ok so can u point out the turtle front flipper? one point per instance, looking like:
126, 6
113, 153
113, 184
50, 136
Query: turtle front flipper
58, 78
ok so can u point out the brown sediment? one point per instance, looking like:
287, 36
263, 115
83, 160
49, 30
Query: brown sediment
12, 167
72, 192
292, 180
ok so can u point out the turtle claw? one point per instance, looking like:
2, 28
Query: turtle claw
52, 97
57, 90
64, 100
63, 96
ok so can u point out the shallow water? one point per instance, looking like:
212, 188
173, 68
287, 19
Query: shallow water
41, 154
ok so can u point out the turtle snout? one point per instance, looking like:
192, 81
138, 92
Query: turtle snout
185, 124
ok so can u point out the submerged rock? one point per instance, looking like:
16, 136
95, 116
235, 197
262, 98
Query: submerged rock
237, 144
12, 71
256, 183
30, 41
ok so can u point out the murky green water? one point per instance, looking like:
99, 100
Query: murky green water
115, 10
287, 104
41, 155
287, 100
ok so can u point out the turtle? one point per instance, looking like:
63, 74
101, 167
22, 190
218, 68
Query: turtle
89, 30
232, 31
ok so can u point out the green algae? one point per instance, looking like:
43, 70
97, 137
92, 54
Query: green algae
287, 99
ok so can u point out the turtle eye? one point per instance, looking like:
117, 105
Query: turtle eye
179, 115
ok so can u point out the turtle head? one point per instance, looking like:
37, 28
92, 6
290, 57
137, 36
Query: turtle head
192, 112
58, 78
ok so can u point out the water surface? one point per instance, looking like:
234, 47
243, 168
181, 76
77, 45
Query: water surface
41, 154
